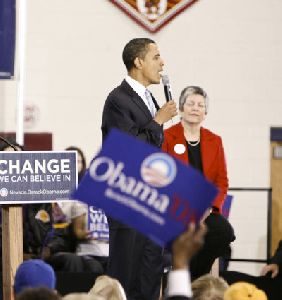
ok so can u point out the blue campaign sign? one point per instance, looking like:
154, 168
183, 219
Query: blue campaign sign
33, 177
227, 206
145, 188
98, 224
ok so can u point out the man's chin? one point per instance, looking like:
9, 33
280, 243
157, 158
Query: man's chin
157, 81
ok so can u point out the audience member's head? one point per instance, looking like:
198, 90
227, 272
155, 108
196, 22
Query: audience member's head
208, 287
107, 288
5, 147
81, 161
244, 291
78, 296
38, 294
34, 273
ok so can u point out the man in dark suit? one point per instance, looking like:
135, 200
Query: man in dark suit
133, 259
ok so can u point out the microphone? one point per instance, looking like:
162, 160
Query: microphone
167, 88
8, 143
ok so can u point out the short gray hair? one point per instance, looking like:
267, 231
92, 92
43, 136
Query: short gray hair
208, 287
192, 90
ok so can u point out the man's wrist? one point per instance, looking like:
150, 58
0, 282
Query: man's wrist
179, 283
157, 120
180, 264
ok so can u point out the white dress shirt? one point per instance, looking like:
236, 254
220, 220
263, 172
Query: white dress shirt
179, 283
140, 89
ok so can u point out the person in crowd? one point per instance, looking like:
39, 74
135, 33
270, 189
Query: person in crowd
197, 146
71, 247
209, 287
6, 147
135, 260
108, 289
275, 266
58, 216
34, 273
37, 225
244, 291
80, 296
61, 250
81, 161
183, 249
40, 293
270, 279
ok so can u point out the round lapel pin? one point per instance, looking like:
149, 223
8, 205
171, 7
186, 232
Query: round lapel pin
179, 148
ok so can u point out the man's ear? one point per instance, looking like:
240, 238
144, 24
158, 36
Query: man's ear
138, 63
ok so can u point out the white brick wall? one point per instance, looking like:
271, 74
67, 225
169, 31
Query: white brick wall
230, 48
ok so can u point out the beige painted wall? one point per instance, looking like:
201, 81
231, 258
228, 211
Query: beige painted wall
231, 48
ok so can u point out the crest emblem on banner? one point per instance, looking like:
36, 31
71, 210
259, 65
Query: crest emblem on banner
153, 14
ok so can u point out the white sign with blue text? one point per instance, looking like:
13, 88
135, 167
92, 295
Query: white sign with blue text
33, 176
98, 224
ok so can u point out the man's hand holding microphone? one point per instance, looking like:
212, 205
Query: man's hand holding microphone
168, 110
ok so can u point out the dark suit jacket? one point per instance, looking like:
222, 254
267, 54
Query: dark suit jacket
134, 260
124, 109
212, 154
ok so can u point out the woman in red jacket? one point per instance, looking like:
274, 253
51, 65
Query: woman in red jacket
203, 150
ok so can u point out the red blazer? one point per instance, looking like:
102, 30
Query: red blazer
212, 153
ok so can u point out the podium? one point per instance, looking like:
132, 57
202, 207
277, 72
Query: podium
29, 177
12, 245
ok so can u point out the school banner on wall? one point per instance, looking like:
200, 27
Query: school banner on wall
7, 38
153, 14
145, 188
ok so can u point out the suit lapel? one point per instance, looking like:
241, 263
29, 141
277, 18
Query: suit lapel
136, 99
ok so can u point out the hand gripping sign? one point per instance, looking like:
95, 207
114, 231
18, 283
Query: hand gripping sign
145, 188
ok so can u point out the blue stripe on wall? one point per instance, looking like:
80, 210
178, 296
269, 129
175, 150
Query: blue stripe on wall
7, 38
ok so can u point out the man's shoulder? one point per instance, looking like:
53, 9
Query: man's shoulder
121, 90
119, 95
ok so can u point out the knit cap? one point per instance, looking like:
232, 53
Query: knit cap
34, 273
